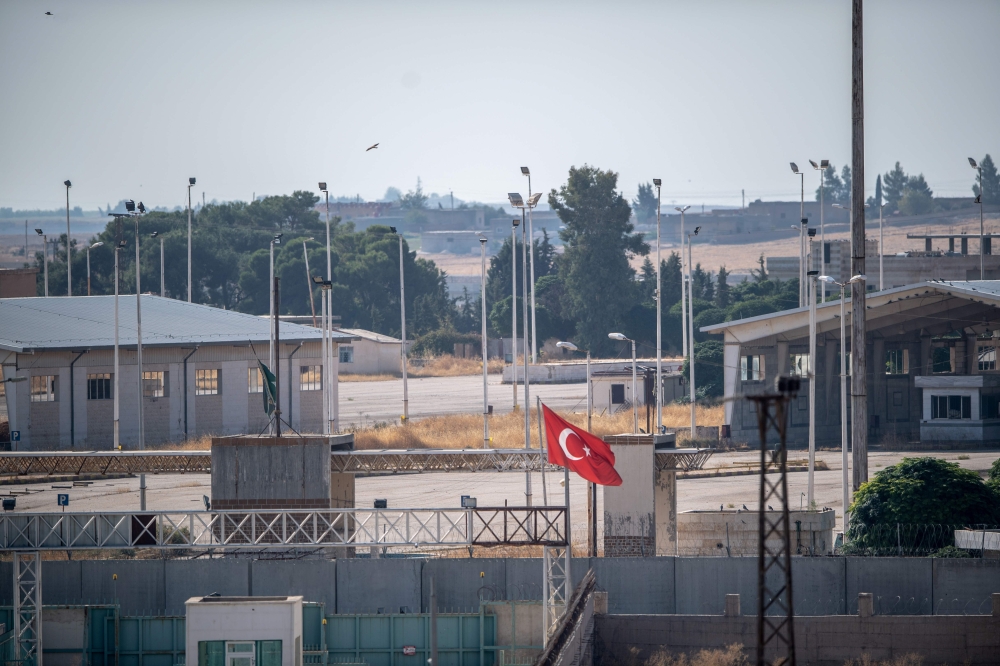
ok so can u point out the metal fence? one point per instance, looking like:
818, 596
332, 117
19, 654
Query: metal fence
908, 539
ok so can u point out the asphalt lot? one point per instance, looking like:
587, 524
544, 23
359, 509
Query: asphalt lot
363, 403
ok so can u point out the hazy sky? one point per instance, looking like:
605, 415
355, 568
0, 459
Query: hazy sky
128, 99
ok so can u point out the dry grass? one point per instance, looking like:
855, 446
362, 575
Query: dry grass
904, 660
731, 655
451, 366
384, 377
465, 431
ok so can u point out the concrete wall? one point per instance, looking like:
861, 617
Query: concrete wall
682, 585
823, 640
270, 473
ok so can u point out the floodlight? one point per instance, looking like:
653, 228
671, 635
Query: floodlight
524, 171
857, 278
811, 232
681, 209
142, 209
516, 221
618, 336
972, 163
814, 165
38, 231
482, 240
121, 244
67, 183
795, 167
567, 345
824, 163
533, 199
130, 206
322, 187
657, 182
515, 200
812, 273
696, 230
97, 244
978, 199
154, 234
805, 220
317, 279
191, 181
826, 278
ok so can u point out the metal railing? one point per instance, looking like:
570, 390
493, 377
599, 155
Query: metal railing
284, 529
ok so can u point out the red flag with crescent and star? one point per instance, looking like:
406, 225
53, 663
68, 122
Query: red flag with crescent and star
580, 451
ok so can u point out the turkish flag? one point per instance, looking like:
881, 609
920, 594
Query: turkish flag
579, 450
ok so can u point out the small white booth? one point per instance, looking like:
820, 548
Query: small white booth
959, 408
244, 631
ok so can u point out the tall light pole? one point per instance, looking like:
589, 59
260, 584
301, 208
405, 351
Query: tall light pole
273, 352
684, 323
89, 248
69, 245
843, 384
191, 182
802, 214
325, 286
402, 320
482, 301
513, 307
118, 249
136, 213
881, 249
591, 487
532, 202
517, 202
635, 398
163, 289
309, 287
691, 324
659, 317
328, 345
45, 257
812, 386
821, 167
982, 228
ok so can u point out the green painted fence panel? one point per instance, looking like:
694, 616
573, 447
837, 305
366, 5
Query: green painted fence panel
378, 640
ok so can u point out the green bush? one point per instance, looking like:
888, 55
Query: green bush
442, 341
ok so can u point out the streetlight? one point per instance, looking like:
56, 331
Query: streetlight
136, 212
802, 214
273, 355
89, 248
191, 182
402, 320
513, 307
659, 319
328, 345
517, 202
305, 255
482, 300
812, 381
684, 326
325, 286
45, 257
982, 235
69, 245
592, 487
118, 249
163, 288
635, 404
843, 383
821, 167
691, 324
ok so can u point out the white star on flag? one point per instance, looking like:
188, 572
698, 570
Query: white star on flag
586, 450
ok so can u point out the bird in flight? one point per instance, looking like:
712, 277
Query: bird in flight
371, 147
49, 14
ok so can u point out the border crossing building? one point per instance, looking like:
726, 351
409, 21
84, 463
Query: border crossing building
200, 374
931, 365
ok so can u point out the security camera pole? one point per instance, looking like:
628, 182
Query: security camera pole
69, 246
802, 208
136, 212
821, 167
982, 234
517, 202
328, 344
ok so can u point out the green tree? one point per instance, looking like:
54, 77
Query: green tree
645, 203
990, 187
917, 198
832, 186
844, 195
919, 491
670, 273
599, 240
414, 199
647, 281
894, 183
498, 277
709, 362
722, 299
704, 288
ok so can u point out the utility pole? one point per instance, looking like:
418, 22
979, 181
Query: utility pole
69, 246
859, 365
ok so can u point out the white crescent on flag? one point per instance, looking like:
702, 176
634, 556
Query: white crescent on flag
563, 436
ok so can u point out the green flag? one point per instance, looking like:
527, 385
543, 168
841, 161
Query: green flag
270, 390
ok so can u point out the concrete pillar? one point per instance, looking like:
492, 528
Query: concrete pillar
971, 355
951, 244
629, 513
732, 605
927, 245
995, 596
601, 597
866, 604
782, 359
879, 410
965, 251
665, 512
926, 360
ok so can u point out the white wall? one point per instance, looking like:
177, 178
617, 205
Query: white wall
245, 620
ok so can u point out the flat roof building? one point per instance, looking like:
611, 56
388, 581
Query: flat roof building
200, 372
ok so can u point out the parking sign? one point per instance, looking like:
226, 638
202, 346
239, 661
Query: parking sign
62, 499
15, 435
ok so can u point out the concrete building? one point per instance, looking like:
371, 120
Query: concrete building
244, 631
200, 371
932, 365
612, 389
370, 353
18, 282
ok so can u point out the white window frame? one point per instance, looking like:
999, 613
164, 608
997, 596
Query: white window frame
43, 388
208, 384
346, 353
101, 377
255, 380
752, 367
310, 377
154, 384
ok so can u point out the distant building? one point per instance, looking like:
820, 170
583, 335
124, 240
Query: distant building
18, 282
370, 353
200, 373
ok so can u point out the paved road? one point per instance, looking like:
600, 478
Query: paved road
367, 402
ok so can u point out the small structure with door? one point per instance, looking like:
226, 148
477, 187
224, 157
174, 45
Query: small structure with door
244, 631
612, 389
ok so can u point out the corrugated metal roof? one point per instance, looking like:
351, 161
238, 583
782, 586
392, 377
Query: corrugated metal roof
369, 335
87, 322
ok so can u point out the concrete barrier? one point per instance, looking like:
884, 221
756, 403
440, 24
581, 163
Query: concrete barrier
964, 586
899, 585
314, 580
364, 586
196, 578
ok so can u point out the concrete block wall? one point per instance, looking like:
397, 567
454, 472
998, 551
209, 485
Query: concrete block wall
270, 473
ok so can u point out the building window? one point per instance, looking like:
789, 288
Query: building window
311, 377
43, 388
987, 358
154, 384
989, 406
346, 354
941, 359
799, 365
99, 387
752, 368
617, 394
255, 380
951, 407
207, 382
897, 361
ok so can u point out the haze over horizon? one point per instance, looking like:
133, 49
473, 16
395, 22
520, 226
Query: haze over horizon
128, 100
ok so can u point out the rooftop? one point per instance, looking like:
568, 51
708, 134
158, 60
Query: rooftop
87, 322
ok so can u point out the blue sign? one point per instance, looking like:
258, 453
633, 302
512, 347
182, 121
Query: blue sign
15, 435
62, 499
